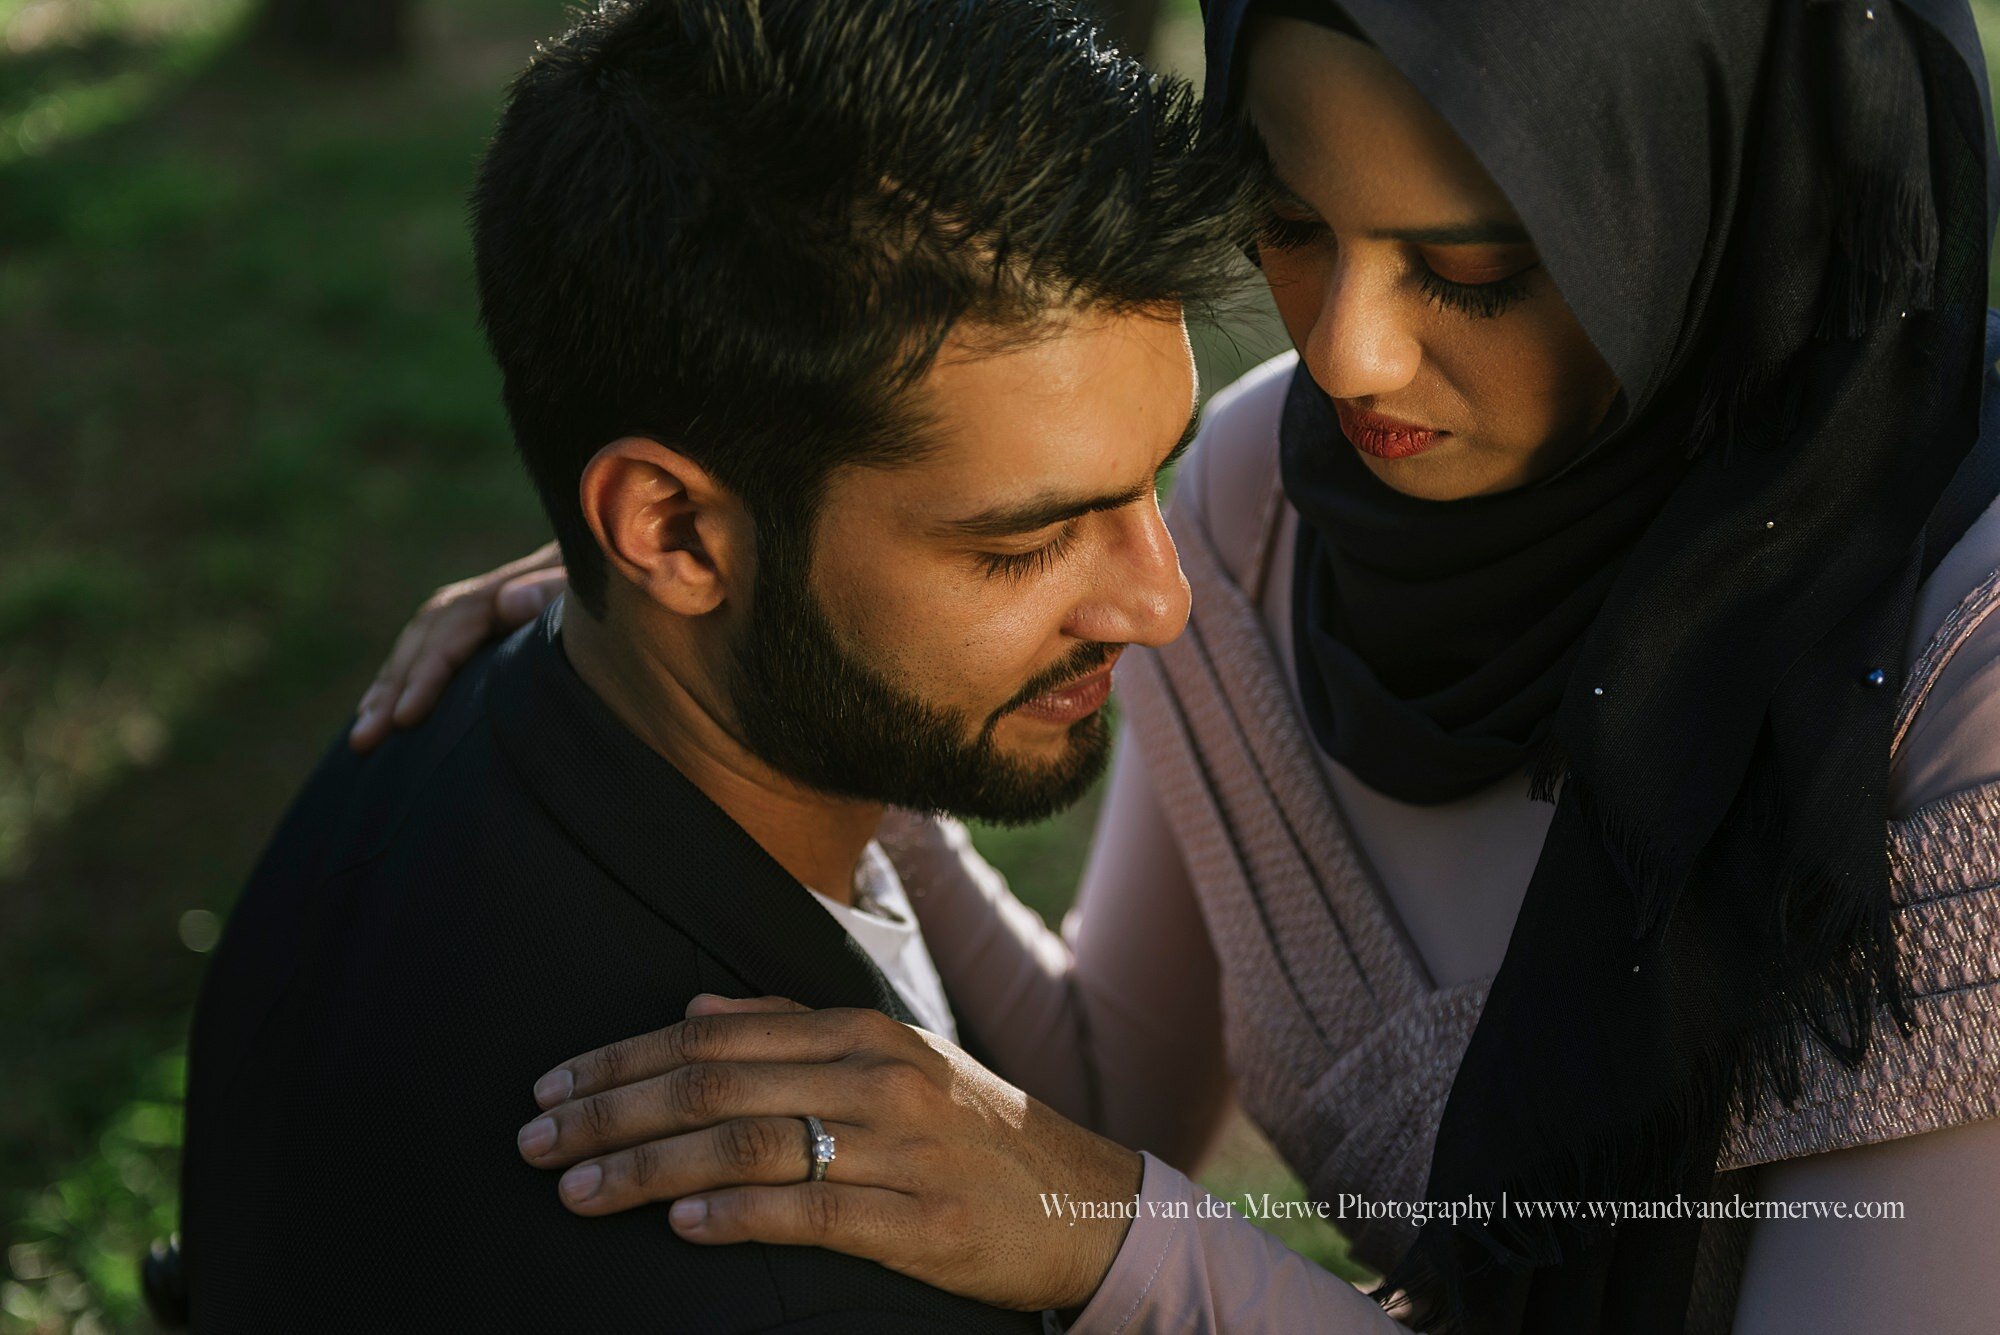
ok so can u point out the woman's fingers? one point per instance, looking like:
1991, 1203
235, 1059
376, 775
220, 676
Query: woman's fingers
524, 597
861, 1221
687, 1099
769, 1151
761, 1036
456, 630
446, 631
374, 716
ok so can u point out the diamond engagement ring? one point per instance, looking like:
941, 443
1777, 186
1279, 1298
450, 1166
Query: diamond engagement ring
819, 1149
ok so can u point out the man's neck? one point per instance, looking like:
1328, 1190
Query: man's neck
817, 839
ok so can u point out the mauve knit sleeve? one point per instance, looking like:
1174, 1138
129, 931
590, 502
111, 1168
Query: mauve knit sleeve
1189, 1268
1953, 742
1116, 1021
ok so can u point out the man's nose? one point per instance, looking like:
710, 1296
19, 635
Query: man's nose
1360, 345
1143, 597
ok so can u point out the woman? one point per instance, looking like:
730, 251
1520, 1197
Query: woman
1572, 617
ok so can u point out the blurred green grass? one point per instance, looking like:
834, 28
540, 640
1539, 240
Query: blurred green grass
246, 423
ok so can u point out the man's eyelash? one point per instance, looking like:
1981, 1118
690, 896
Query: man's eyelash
1020, 565
1482, 301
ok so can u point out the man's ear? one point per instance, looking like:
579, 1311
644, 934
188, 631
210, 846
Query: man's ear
665, 524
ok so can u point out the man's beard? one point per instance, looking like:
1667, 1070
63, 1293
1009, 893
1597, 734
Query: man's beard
819, 715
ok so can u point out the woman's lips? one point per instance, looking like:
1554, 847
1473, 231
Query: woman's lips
1383, 437
1070, 703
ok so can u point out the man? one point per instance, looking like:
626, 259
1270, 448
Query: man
843, 345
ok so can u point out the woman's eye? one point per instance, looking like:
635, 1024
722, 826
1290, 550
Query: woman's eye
1480, 300
1020, 565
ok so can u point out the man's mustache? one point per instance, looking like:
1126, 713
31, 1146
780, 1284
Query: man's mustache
1085, 660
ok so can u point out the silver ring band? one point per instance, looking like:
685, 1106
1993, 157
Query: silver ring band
819, 1149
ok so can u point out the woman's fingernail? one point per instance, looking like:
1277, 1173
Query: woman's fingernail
554, 1087
537, 1136
688, 1213
580, 1183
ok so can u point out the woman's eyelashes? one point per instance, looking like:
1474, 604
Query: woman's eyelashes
1278, 232
1480, 300
1020, 565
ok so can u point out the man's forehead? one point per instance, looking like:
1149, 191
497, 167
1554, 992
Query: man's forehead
1037, 341
1082, 412
1032, 499
1059, 373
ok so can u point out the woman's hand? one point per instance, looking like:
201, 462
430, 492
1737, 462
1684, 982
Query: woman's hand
942, 1171
447, 630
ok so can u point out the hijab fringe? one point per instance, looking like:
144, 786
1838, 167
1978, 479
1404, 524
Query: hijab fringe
1886, 255
1651, 1160
1756, 406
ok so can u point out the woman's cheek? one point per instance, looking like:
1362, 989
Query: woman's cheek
1297, 290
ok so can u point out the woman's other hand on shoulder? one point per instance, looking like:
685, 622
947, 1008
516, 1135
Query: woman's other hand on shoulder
446, 631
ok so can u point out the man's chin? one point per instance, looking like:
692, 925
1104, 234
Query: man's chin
1038, 772
1029, 740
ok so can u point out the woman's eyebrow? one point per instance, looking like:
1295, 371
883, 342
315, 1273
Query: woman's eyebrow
1485, 232
1479, 232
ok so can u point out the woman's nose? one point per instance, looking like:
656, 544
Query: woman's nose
1361, 345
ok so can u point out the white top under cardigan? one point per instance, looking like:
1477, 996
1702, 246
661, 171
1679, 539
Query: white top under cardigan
881, 921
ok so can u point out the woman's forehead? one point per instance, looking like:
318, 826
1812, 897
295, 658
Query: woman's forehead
1345, 129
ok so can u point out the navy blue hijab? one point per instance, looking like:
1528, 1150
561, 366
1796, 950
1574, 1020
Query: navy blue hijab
1772, 218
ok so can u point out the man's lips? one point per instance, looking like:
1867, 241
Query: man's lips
1383, 437
1072, 701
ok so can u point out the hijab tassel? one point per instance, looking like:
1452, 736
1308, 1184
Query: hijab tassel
1885, 256
1653, 875
1663, 1157
1875, 135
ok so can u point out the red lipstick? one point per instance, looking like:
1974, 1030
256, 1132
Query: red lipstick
1383, 437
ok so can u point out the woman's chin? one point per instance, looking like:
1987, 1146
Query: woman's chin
1453, 470
1444, 472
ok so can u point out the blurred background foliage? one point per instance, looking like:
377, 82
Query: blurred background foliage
246, 424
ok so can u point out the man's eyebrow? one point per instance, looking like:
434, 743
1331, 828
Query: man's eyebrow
1008, 520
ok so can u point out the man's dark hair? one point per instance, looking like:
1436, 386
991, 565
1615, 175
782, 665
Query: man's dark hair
744, 227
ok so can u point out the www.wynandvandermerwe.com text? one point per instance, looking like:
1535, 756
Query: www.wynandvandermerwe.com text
1267, 1206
